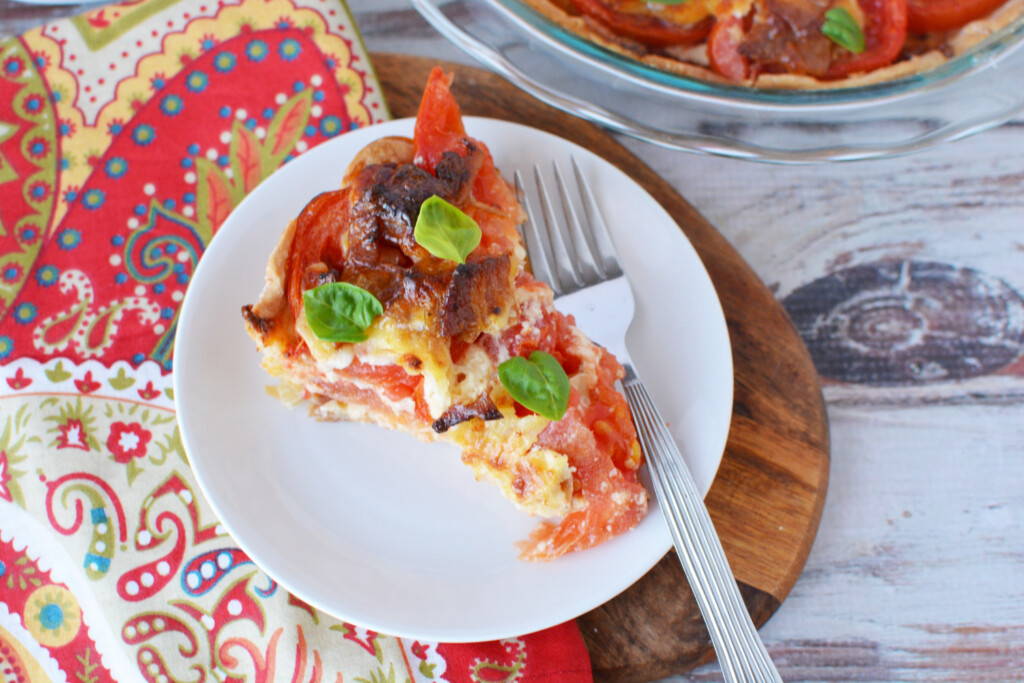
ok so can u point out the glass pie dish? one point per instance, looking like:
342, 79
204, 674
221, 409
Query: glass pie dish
974, 91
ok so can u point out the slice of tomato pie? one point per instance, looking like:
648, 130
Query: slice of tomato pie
403, 299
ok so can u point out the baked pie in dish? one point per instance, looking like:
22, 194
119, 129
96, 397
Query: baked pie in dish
786, 44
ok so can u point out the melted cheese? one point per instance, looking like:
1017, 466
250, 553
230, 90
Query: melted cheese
472, 375
505, 452
389, 342
689, 12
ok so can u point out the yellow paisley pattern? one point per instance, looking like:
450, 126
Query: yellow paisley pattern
52, 615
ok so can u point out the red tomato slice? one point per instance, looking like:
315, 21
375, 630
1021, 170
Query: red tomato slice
770, 41
926, 16
885, 31
724, 49
439, 122
599, 440
615, 498
643, 26
439, 129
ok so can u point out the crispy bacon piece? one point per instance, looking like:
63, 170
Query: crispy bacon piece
483, 408
786, 35
363, 234
477, 291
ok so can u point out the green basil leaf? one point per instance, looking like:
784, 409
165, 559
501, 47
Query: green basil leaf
340, 311
843, 29
445, 231
539, 383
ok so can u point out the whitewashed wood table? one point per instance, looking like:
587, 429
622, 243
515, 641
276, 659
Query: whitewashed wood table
918, 567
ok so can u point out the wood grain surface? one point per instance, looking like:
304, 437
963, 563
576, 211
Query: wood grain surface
767, 497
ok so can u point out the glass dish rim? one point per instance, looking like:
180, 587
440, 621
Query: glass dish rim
461, 23
994, 48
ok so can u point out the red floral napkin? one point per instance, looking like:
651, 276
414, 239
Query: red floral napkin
127, 135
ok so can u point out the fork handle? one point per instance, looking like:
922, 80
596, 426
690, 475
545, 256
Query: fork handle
741, 654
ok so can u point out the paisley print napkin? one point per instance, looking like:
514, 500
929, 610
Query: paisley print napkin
127, 135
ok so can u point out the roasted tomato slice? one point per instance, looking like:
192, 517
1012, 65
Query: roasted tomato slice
926, 16
634, 19
439, 122
439, 129
724, 49
784, 36
885, 31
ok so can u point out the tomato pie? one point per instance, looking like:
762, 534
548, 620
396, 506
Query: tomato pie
786, 44
403, 299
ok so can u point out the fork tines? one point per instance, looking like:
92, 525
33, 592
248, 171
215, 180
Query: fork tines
562, 252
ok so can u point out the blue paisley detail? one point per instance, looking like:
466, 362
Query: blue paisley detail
147, 257
206, 570
153, 254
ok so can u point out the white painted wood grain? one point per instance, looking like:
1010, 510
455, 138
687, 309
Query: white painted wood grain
960, 203
917, 570
917, 573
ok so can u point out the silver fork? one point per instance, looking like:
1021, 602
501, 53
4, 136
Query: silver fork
582, 268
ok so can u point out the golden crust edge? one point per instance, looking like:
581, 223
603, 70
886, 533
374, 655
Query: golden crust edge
961, 41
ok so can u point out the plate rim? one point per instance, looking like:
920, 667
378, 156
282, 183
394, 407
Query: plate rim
539, 622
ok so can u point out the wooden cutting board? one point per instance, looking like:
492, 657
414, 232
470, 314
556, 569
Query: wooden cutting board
768, 495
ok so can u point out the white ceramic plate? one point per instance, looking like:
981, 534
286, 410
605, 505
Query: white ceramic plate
395, 535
